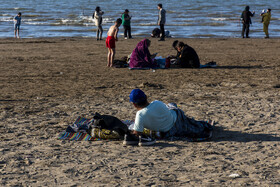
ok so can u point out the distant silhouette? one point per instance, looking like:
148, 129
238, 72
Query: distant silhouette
246, 21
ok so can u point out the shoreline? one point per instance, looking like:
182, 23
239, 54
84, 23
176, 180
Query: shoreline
138, 37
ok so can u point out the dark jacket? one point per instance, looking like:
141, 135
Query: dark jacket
188, 58
246, 16
161, 16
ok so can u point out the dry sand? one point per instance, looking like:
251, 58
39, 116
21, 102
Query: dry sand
47, 83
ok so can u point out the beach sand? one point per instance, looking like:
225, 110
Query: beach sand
47, 83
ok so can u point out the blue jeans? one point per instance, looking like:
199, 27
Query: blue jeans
187, 127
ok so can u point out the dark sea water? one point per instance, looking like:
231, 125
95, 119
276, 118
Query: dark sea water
185, 18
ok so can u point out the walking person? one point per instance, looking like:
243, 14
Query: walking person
246, 21
266, 17
161, 21
17, 22
97, 16
126, 24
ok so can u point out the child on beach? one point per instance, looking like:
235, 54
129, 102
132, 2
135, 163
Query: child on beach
111, 41
17, 22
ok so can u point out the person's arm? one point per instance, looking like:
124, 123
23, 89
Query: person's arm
252, 14
96, 16
264, 14
159, 17
116, 33
178, 54
138, 127
153, 55
242, 17
127, 18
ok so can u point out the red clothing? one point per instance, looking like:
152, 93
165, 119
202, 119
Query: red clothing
110, 42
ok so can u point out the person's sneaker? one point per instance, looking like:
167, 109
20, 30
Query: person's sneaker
145, 140
130, 139
125, 38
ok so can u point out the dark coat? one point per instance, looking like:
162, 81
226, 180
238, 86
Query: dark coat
188, 58
246, 16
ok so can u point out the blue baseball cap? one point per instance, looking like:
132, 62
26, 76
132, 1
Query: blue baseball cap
137, 96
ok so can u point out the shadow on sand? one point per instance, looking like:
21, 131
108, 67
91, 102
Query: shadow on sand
240, 67
220, 134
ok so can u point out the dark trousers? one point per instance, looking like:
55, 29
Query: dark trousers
162, 31
99, 32
245, 28
127, 31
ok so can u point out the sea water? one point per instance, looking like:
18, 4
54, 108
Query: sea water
185, 18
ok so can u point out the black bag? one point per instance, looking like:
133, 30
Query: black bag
110, 123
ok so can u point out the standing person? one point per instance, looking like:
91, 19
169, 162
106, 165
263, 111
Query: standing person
161, 21
17, 22
111, 41
246, 21
97, 16
126, 24
266, 17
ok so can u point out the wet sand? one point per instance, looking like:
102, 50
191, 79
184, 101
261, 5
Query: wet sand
47, 83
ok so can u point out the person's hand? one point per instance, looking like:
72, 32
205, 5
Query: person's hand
154, 55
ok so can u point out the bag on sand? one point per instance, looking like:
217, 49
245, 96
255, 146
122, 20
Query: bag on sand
109, 123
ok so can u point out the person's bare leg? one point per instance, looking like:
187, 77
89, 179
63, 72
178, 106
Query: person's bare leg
112, 56
18, 33
15, 33
109, 57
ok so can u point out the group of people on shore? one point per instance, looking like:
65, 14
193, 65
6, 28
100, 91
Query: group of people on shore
141, 57
126, 22
246, 21
126, 18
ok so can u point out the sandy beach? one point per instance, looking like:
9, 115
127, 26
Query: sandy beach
47, 83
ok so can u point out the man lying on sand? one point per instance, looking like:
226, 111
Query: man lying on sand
168, 119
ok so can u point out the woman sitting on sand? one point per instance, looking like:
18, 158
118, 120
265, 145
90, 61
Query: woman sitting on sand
141, 57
